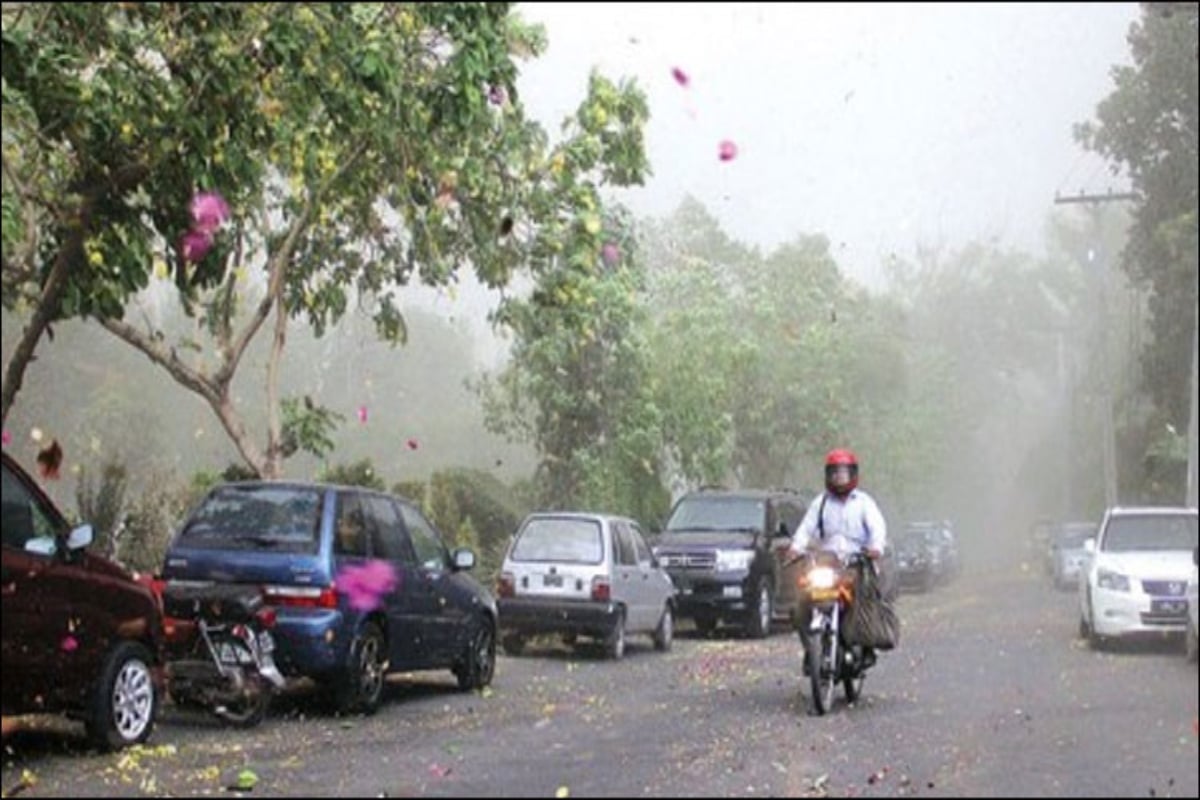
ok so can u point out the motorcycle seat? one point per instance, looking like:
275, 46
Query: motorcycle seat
231, 603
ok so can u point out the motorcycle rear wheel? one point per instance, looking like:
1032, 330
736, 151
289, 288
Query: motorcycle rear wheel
852, 684
250, 709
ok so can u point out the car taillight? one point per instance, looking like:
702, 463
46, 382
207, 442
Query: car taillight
505, 586
601, 590
301, 596
266, 617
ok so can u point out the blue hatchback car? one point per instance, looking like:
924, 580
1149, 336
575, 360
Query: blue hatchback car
362, 583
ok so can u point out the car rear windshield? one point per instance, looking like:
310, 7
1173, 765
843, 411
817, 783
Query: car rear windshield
1131, 534
277, 518
718, 514
573, 541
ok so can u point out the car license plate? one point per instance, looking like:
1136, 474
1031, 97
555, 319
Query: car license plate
734, 592
1172, 607
552, 580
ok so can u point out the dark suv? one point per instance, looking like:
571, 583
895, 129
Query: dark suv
719, 549
80, 636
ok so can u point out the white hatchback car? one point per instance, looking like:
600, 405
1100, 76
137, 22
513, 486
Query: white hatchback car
1137, 575
589, 575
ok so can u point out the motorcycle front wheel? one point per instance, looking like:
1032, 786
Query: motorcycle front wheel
821, 672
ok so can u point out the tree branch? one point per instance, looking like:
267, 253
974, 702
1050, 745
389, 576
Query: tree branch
167, 358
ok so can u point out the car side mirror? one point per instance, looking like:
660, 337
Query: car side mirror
464, 559
80, 537
1090, 546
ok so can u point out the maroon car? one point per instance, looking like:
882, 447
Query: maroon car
80, 636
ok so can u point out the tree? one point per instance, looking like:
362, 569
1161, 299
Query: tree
577, 386
359, 146
1148, 128
742, 346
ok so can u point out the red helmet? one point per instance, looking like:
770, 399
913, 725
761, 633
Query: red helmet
841, 472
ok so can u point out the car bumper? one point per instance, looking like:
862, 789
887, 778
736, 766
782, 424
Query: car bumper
1129, 613
529, 616
310, 642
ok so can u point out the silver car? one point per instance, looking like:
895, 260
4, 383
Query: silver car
579, 574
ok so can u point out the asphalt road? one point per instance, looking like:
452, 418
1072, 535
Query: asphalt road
989, 694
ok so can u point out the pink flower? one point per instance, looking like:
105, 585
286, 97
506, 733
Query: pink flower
497, 95
362, 414
7, 438
209, 212
70, 644
365, 586
680, 76
194, 245
610, 253
727, 151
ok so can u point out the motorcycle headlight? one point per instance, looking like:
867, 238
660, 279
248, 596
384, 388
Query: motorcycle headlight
822, 578
734, 560
1115, 581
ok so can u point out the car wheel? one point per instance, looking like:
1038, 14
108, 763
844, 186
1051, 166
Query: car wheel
614, 645
360, 687
666, 630
758, 625
479, 659
125, 701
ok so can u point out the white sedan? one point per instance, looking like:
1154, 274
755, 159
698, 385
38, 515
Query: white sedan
1137, 575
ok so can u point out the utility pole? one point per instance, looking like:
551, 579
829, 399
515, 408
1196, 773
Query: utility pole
1097, 278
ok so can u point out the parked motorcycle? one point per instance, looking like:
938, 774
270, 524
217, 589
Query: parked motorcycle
829, 585
220, 651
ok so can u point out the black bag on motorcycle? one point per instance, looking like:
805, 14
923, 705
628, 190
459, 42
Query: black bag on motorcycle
872, 620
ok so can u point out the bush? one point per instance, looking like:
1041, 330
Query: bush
360, 473
151, 521
103, 505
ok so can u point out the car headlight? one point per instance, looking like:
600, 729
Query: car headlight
822, 578
1115, 581
734, 560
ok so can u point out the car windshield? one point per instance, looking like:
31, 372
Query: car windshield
1150, 533
699, 514
277, 518
561, 540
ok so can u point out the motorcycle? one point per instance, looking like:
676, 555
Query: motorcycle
220, 651
829, 585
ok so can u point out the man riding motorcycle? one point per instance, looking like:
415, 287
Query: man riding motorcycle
842, 520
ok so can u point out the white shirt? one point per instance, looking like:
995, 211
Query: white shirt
851, 523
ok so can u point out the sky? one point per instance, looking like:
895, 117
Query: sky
881, 126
